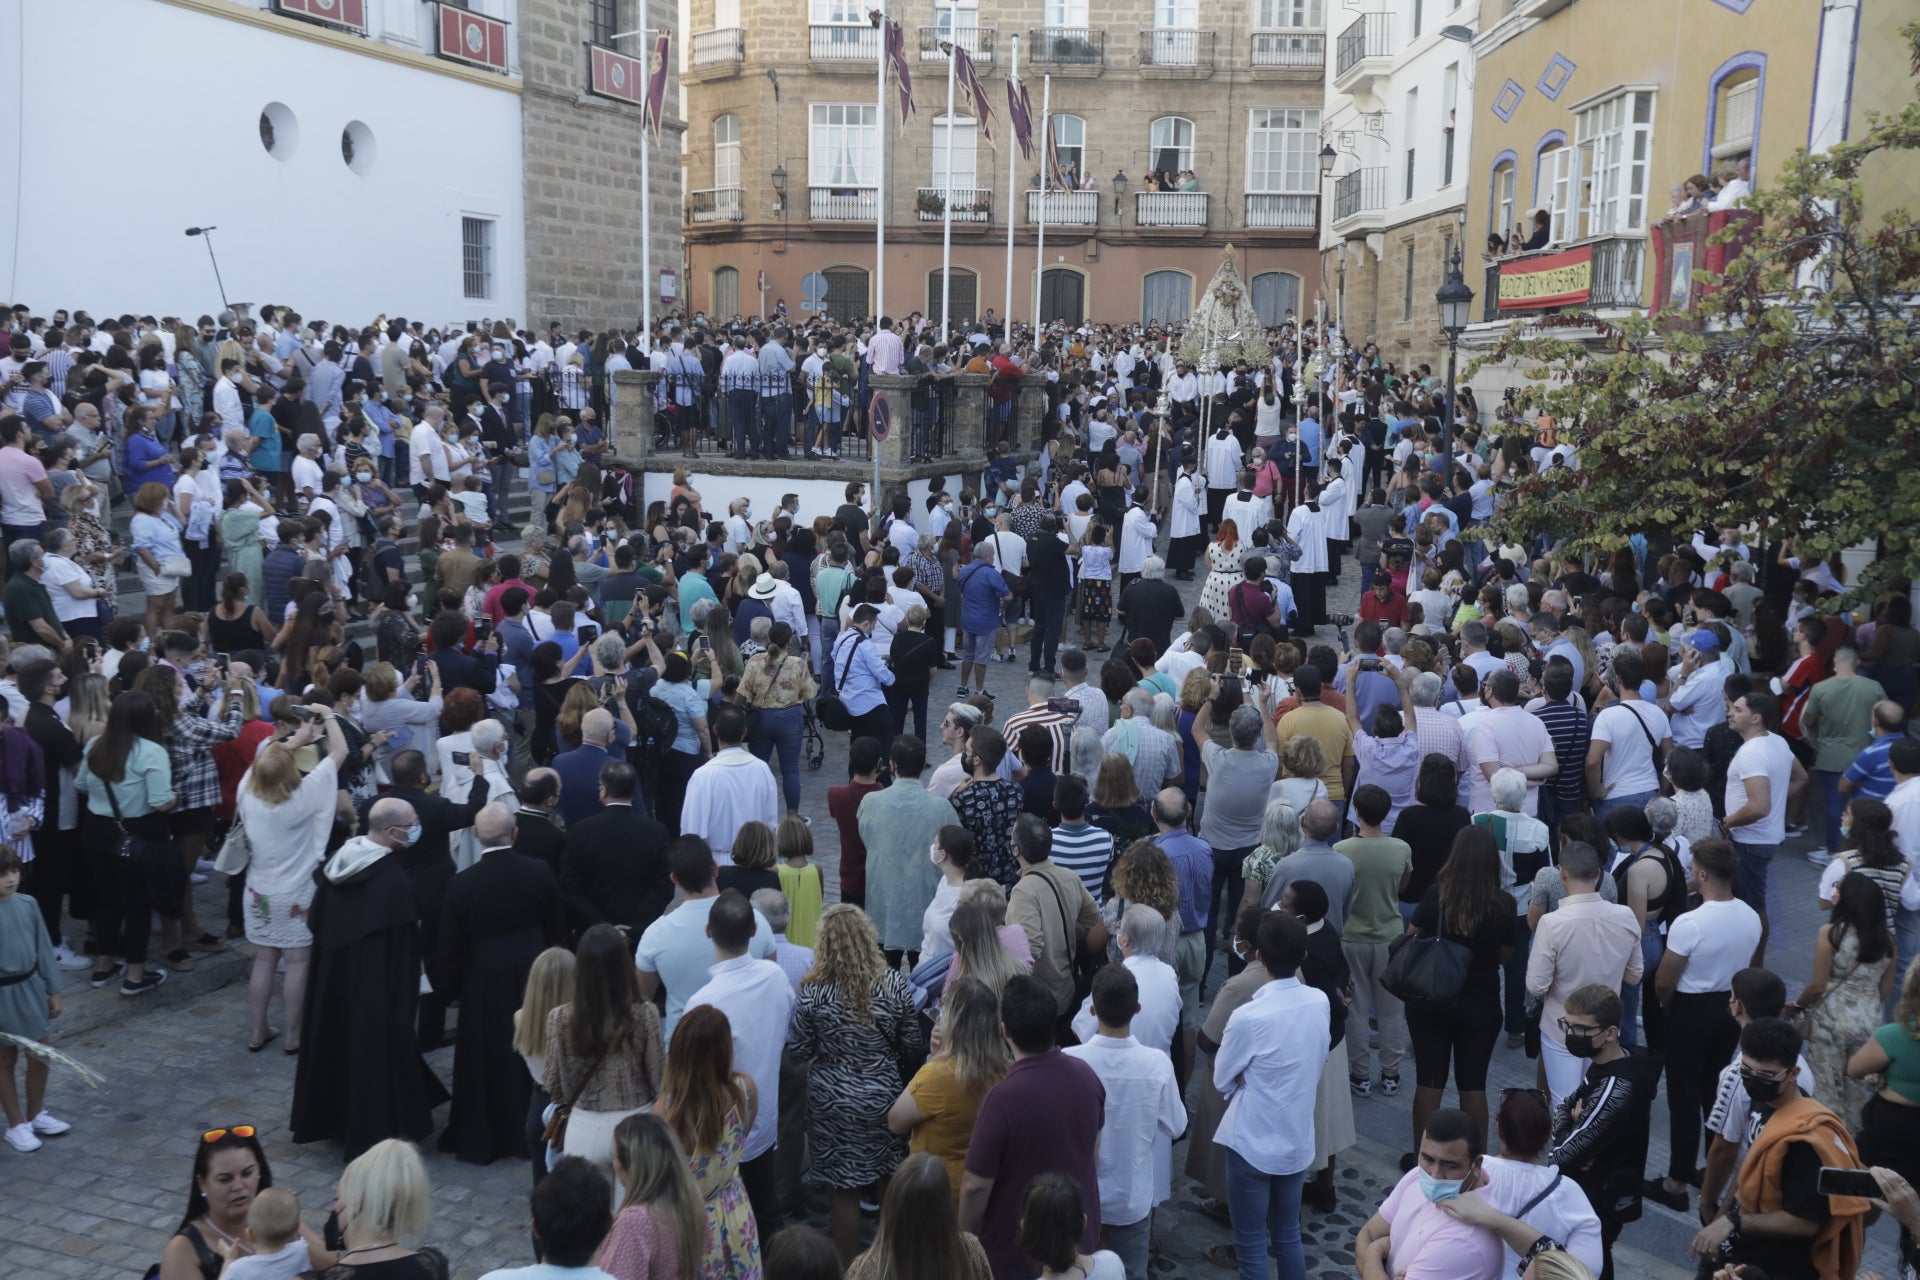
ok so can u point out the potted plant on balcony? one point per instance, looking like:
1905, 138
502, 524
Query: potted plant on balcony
930, 204
981, 206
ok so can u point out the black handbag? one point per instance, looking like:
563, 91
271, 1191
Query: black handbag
1426, 970
830, 707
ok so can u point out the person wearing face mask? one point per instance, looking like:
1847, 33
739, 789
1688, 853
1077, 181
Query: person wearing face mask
1412, 1236
360, 1077
1780, 1218
1582, 941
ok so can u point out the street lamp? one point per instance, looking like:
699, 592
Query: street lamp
1119, 190
780, 182
1327, 156
1456, 304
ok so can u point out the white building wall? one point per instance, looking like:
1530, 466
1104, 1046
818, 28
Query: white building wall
141, 119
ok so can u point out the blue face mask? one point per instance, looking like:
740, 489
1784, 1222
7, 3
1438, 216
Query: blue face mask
1439, 1189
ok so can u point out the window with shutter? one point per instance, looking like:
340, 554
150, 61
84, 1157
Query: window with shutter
1736, 122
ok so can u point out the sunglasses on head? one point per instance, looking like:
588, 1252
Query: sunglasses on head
238, 1131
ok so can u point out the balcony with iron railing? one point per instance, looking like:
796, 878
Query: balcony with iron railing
1177, 51
716, 204
1070, 48
1363, 50
1064, 208
970, 204
977, 41
1356, 194
1176, 209
1601, 272
1282, 211
843, 204
831, 43
717, 47
1289, 50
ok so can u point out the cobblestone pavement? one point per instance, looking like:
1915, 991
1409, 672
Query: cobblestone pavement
101, 1201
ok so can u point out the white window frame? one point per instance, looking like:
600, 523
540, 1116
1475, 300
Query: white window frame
837, 13
966, 154
479, 243
1283, 150
1071, 149
1563, 191
950, 16
839, 135
726, 151
726, 15
721, 312
1506, 192
1726, 146
1616, 159
1289, 15
1155, 147
1068, 14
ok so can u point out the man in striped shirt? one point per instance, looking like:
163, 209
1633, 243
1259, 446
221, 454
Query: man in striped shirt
1567, 725
1078, 845
1057, 723
1871, 774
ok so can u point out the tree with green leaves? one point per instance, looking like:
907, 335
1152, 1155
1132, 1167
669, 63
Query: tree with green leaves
1793, 408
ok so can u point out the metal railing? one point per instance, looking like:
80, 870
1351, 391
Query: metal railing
1170, 208
1176, 47
977, 41
742, 417
1070, 46
1617, 264
717, 204
970, 204
725, 44
1283, 209
1367, 37
843, 204
1289, 49
1064, 208
840, 42
1362, 191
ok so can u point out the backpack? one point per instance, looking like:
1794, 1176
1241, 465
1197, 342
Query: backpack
658, 726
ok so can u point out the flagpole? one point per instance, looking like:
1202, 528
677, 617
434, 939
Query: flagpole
946, 203
1013, 185
1046, 184
880, 211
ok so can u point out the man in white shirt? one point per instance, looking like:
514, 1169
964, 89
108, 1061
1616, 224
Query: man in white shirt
758, 1001
1179, 659
675, 951
735, 787
427, 452
1698, 701
1269, 1061
1620, 755
1144, 1113
1762, 775
1094, 714
1156, 1017
885, 351
226, 397
1508, 736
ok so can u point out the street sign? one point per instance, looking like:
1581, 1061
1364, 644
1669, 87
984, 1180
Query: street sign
879, 416
813, 292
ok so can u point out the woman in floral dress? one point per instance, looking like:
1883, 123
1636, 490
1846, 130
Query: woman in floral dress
854, 1025
711, 1107
1852, 976
1225, 556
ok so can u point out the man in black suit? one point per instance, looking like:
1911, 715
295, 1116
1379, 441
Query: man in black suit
614, 869
539, 836
429, 864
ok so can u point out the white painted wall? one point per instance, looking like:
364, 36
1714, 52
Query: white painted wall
817, 497
155, 128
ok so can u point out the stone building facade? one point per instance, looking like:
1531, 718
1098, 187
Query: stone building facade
783, 94
581, 160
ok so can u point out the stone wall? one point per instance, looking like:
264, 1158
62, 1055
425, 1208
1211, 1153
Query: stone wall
1375, 289
582, 162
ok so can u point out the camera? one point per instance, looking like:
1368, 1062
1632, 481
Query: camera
1370, 664
1342, 619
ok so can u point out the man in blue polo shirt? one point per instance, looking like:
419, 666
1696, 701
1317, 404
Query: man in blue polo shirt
1871, 774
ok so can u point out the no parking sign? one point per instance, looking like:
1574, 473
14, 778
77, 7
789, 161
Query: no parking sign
879, 416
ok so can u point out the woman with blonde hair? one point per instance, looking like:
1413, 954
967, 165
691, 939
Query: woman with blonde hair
1303, 766
980, 947
711, 1107
854, 1024
1144, 874
918, 1236
384, 1200
549, 985
970, 1055
288, 819
660, 1232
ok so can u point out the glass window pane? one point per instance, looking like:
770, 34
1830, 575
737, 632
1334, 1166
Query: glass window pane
1166, 297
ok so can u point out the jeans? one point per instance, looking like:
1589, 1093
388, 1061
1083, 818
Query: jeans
780, 727
829, 631
1833, 806
1265, 1209
1638, 800
1755, 861
743, 412
1049, 616
776, 423
1906, 940
499, 474
1652, 947
1129, 1243
1227, 877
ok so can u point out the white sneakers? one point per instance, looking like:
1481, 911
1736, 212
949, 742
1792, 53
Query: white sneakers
26, 1137
64, 957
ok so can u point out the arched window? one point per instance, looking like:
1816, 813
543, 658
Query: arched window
966, 296
847, 293
1170, 141
1063, 296
1556, 186
1500, 210
1274, 294
1166, 297
1070, 149
1735, 94
966, 144
726, 292
726, 151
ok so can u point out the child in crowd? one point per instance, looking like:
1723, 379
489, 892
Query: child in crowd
27, 1006
472, 497
1096, 588
279, 1251
800, 880
1687, 771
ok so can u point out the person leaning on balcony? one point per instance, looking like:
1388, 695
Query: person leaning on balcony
1542, 225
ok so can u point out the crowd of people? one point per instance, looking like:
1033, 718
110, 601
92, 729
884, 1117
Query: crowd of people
1217, 884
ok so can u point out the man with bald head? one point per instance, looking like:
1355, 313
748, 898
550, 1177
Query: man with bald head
361, 1078
579, 769
536, 834
498, 915
1317, 860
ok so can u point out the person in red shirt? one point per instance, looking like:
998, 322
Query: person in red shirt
1809, 668
843, 802
1383, 604
509, 579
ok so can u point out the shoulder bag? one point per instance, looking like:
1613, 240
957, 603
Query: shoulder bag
830, 707
236, 851
1426, 970
754, 708
1082, 963
555, 1133
1015, 583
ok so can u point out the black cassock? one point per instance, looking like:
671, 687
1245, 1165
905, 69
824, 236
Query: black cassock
497, 916
361, 1078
